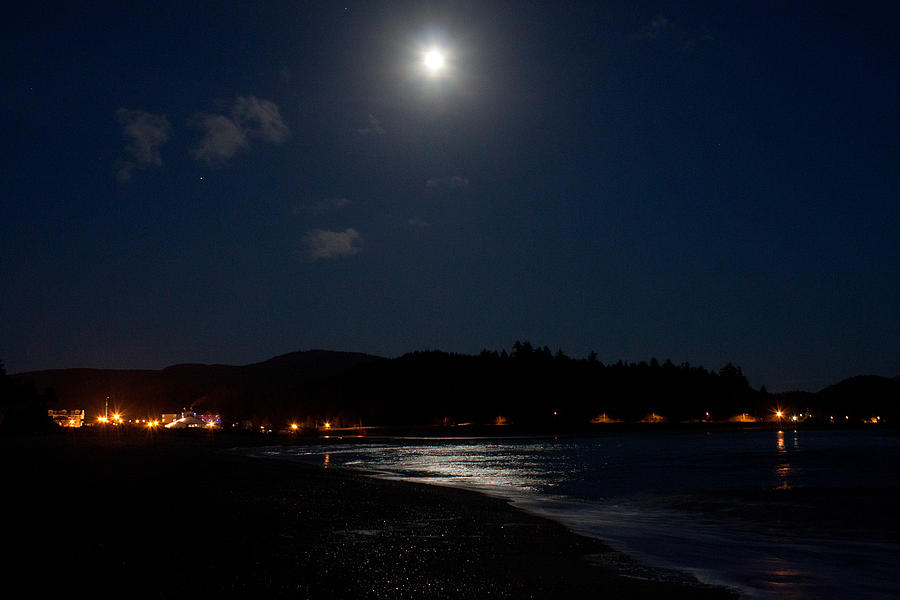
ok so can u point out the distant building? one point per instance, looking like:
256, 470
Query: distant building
185, 423
170, 417
653, 418
743, 418
604, 418
211, 420
67, 418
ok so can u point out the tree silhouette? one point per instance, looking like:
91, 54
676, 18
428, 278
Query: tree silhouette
22, 407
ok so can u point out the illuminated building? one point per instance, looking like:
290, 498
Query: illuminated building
67, 418
653, 418
743, 418
185, 422
210, 420
604, 418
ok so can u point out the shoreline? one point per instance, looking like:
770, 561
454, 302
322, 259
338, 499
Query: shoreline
626, 564
755, 528
177, 517
622, 563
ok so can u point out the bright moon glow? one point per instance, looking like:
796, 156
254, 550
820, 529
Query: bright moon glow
434, 60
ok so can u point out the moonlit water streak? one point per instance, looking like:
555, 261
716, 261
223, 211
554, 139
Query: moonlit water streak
785, 514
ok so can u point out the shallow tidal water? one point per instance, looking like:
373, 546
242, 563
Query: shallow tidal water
772, 514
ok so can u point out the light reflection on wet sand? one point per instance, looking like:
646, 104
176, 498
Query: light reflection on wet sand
714, 506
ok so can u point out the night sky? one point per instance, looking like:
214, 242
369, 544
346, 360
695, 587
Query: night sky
225, 182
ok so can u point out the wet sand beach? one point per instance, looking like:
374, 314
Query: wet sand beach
183, 516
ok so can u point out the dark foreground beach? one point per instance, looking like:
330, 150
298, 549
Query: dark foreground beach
183, 516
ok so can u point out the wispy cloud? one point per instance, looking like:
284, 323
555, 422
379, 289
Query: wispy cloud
418, 222
374, 126
144, 134
452, 182
657, 27
223, 137
327, 244
320, 206
260, 119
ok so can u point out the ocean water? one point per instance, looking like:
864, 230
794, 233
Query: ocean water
772, 514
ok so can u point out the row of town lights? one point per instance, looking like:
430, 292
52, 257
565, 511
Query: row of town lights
325, 425
780, 415
117, 419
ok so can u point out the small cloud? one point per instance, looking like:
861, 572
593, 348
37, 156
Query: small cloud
260, 119
658, 25
374, 127
325, 244
145, 133
656, 28
453, 182
320, 206
418, 222
223, 137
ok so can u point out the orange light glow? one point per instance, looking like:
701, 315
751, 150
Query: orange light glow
743, 418
653, 418
604, 418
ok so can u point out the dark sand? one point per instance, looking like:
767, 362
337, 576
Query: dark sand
178, 516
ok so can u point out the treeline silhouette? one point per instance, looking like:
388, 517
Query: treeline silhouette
527, 386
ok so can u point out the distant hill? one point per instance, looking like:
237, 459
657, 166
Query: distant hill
865, 395
528, 386
249, 390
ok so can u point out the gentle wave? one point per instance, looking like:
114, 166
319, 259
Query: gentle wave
767, 513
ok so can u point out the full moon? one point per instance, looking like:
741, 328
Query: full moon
434, 60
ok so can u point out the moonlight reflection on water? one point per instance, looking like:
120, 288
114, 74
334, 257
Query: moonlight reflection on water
764, 512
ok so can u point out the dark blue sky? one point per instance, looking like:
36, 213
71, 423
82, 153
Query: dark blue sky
224, 183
